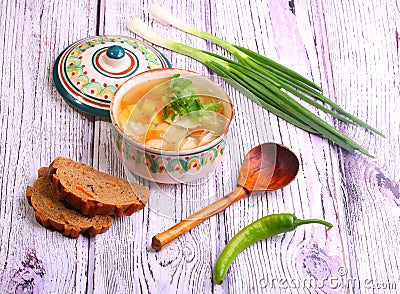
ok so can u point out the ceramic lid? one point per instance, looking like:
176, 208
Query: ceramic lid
88, 72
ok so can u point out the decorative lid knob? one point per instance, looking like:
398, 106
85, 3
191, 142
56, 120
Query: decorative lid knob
115, 52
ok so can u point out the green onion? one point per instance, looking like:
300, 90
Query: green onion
262, 79
289, 79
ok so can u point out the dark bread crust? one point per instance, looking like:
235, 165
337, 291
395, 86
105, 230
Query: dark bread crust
63, 169
58, 217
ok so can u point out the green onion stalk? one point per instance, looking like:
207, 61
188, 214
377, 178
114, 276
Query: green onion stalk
262, 78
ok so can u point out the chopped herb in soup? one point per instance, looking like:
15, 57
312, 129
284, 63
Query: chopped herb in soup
183, 100
172, 114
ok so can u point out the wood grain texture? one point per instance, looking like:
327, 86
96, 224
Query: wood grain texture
36, 125
365, 64
350, 48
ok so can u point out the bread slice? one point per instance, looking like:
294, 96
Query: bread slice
51, 213
93, 192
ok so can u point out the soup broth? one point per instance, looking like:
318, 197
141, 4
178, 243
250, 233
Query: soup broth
173, 114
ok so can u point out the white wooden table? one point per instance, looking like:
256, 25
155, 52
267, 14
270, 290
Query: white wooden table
350, 48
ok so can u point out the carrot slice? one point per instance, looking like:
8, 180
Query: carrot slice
159, 116
153, 134
220, 110
205, 100
197, 133
124, 104
80, 188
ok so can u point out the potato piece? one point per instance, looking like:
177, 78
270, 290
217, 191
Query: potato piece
175, 134
185, 122
155, 143
162, 126
159, 144
207, 138
136, 129
188, 143
215, 123
149, 107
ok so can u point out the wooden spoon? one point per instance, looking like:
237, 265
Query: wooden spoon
267, 167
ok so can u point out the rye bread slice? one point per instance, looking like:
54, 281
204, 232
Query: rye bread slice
53, 214
93, 192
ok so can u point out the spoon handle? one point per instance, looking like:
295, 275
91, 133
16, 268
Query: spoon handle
163, 239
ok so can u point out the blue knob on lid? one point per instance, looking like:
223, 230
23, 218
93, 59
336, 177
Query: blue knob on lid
115, 52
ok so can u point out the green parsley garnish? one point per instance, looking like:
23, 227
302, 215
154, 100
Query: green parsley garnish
184, 100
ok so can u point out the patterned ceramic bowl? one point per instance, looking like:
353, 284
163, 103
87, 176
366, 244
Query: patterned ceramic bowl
169, 166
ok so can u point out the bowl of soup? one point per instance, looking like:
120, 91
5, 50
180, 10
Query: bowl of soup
169, 125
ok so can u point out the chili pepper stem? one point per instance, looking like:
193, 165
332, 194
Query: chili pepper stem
299, 222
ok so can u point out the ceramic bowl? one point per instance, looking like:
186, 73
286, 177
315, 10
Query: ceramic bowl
169, 166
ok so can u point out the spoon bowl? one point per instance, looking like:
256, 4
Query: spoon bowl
266, 167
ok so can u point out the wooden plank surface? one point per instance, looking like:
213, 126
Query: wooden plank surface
351, 49
365, 64
37, 125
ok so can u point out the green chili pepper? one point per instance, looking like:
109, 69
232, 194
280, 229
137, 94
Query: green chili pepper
265, 227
